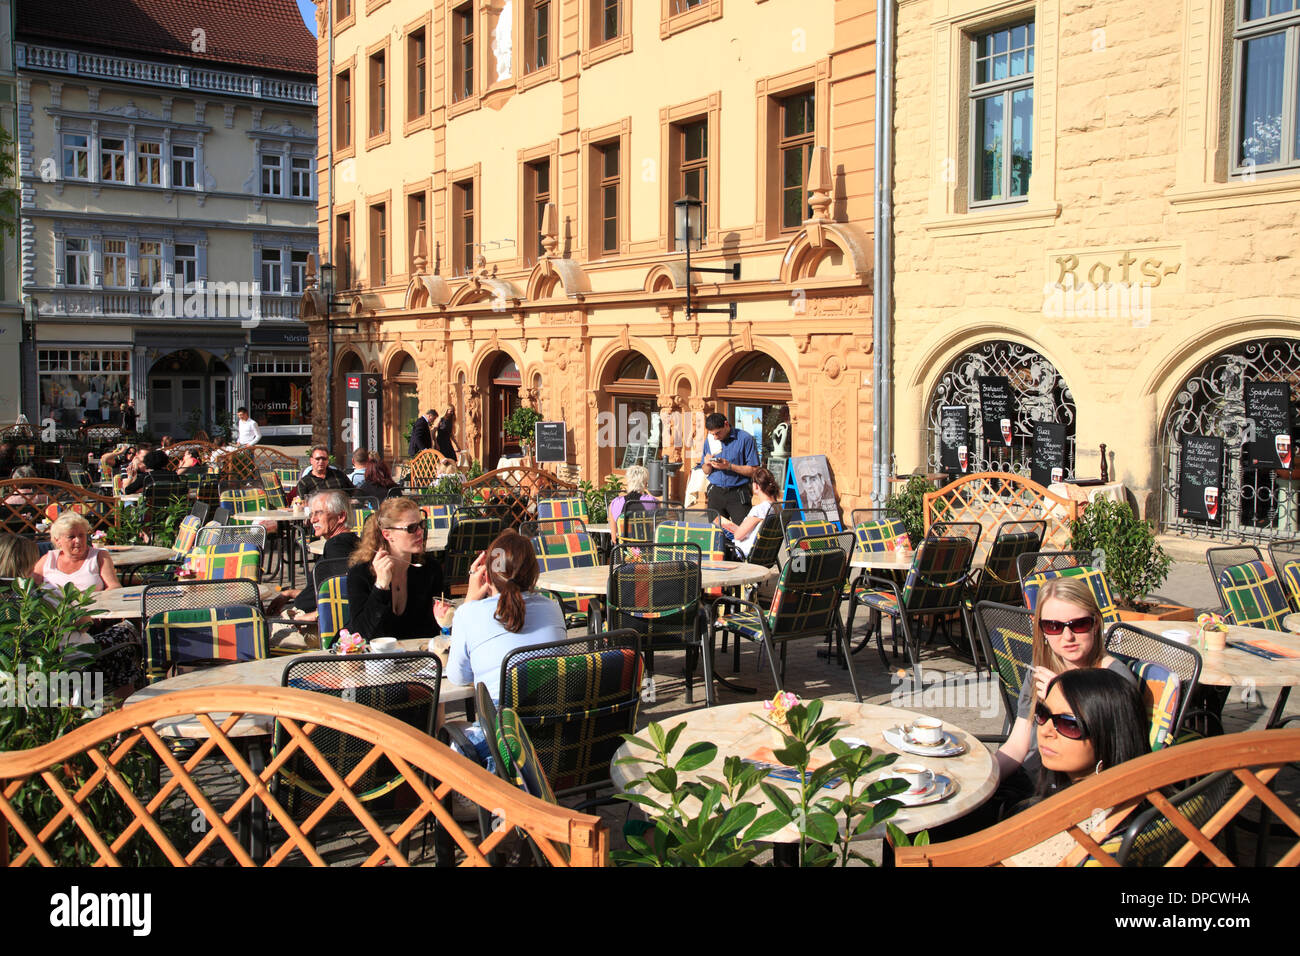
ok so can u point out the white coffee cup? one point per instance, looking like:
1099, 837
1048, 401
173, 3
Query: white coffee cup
383, 645
927, 730
918, 778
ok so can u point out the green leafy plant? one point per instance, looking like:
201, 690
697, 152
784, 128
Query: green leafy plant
446, 490
708, 822
908, 505
1134, 562
598, 497
475, 470
520, 424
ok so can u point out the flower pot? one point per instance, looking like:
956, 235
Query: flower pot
1159, 612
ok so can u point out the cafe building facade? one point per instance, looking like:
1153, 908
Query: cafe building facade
1098, 207
501, 223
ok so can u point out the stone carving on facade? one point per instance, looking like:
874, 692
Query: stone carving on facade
802, 341
473, 417
671, 427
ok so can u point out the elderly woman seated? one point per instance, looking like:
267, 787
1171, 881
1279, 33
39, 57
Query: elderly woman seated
73, 560
637, 477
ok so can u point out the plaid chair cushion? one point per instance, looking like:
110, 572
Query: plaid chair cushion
708, 537
550, 509
274, 490
562, 551
187, 533
1254, 595
1161, 690
247, 499
660, 600
234, 632
1291, 578
332, 605
1096, 581
576, 709
882, 601
876, 536
633, 526
1000, 580
1013, 653
513, 739
358, 516
436, 517
938, 571
288, 477
744, 621
804, 529
221, 562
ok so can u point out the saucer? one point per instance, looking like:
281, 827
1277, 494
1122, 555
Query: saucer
897, 738
941, 788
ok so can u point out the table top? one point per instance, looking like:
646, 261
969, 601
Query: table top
436, 541
735, 730
124, 603
1233, 668
894, 561
274, 514
594, 580
267, 672
134, 555
1292, 622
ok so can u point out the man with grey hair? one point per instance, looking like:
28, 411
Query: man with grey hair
329, 520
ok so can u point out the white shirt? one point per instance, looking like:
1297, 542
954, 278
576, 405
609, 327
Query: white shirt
249, 433
760, 511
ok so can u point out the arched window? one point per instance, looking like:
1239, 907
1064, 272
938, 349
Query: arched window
756, 399
630, 419
1255, 498
1038, 394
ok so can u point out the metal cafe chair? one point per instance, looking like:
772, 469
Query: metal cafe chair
1220, 559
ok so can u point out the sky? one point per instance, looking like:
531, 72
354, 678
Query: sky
308, 11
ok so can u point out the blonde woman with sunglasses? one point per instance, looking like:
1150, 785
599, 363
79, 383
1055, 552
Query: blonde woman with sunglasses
1067, 636
392, 584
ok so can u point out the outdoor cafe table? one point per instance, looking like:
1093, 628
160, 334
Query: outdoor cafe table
124, 603
1233, 668
736, 731
594, 580
1292, 623
134, 555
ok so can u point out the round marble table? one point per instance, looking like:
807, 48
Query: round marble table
268, 672
134, 555
274, 514
594, 580
735, 731
1292, 622
436, 540
124, 603
1233, 668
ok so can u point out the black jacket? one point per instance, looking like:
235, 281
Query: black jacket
370, 610
421, 437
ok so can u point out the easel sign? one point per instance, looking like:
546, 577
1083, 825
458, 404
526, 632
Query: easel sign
811, 477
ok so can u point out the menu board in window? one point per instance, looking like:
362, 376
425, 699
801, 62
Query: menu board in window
1200, 480
954, 440
1048, 463
997, 409
551, 441
1268, 406
633, 454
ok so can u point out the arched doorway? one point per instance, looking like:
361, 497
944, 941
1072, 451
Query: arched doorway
630, 432
503, 383
1038, 392
402, 400
189, 390
1254, 500
756, 399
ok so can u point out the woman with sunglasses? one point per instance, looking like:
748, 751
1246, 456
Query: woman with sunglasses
391, 585
1067, 636
1087, 721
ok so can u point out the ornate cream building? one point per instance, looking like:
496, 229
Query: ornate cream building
1100, 202
497, 192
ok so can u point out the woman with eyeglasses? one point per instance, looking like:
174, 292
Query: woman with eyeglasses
391, 585
1067, 636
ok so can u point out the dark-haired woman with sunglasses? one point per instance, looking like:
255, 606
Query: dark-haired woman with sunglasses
391, 584
1088, 720
1067, 636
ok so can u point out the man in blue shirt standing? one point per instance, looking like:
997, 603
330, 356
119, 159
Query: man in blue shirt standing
730, 468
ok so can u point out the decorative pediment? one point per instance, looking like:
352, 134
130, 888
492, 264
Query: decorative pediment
549, 276
484, 288
827, 250
427, 292
665, 277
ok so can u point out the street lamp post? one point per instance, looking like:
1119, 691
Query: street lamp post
689, 231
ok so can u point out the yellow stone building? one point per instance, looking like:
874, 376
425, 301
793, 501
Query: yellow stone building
1100, 202
497, 191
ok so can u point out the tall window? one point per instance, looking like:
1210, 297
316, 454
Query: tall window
417, 77
1002, 114
298, 271
378, 244
690, 157
115, 271
463, 226
151, 264
537, 186
417, 218
76, 156
342, 9
112, 160
182, 166
378, 94
1266, 108
607, 20
271, 173
538, 38
462, 24
300, 177
343, 251
148, 164
186, 264
797, 127
76, 262
343, 109
608, 168
271, 274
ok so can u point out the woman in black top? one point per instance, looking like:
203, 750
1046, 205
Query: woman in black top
379, 482
392, 584
443, 435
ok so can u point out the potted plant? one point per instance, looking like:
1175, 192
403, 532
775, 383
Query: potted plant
520, 427
1134, 562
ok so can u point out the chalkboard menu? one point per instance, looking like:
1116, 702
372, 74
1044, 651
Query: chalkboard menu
1200, 483
633, 454
954, 423
551, 441
997, 409
1049, 453
1268, 405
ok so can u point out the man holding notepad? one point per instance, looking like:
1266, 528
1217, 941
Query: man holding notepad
728, 460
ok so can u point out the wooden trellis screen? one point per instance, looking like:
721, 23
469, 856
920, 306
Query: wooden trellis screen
84, 768
25, 502
992, 497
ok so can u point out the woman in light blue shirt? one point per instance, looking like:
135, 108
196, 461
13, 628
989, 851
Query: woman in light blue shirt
501, 613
